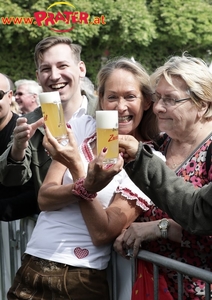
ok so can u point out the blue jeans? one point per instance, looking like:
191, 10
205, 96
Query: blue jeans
39, 279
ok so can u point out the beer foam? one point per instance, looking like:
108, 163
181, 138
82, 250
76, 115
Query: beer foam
107, 119
49, 97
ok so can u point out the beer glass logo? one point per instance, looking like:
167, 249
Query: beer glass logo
53, 18
113, 137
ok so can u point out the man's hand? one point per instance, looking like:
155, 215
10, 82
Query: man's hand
21, 135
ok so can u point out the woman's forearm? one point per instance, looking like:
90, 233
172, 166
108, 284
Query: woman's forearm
105, 225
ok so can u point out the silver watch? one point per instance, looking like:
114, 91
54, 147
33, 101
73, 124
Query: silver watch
163, 226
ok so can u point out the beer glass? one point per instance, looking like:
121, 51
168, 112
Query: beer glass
53, 115
107, 134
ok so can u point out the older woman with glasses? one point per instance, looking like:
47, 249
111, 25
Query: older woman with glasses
182, 104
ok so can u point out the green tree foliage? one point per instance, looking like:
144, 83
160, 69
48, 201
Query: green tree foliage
150, 31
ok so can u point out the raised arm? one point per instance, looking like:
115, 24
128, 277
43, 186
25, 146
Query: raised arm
188, 206
53, 195
15, 162
21, 135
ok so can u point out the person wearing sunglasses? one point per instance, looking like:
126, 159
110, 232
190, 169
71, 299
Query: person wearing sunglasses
183, 106
27, 95
13, 197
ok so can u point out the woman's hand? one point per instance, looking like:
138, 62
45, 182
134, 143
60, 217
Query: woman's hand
67, 155
139, 232
133, 237
128, 145
100, 174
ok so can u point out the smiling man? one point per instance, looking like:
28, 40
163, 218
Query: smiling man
59, 68
27, 95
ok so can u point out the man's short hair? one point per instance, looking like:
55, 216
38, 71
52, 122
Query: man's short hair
51, 41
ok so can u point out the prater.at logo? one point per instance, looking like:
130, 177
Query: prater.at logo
69, 17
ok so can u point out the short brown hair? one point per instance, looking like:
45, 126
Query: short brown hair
51, 41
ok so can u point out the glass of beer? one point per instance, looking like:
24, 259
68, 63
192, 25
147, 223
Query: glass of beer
107, 134
53, 115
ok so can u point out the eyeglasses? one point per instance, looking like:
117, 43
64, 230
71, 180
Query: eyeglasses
21, 94
167, 101
2, 93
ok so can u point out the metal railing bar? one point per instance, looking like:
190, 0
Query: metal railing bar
180, 267
156, 278
12, 242
207, 291
114, 281
2, 266
180, 285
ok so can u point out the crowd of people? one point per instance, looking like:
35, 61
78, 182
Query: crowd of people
164, 118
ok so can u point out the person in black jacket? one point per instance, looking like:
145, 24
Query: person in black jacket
16, 202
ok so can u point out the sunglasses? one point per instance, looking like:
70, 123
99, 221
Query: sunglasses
2, 93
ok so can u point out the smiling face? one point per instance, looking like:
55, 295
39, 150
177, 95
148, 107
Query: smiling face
183, 116
122, 93
26, 101
59, 71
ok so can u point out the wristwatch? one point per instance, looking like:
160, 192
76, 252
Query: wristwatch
163, 226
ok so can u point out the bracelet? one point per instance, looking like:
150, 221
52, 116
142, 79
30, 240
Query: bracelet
79, 190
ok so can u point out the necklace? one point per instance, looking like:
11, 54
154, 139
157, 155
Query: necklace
186, 154
174, 164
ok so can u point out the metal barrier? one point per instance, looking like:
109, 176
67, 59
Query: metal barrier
121, 272
13, 240
180, 268
10, 255
2, 265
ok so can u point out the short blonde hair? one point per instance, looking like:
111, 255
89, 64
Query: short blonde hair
196, 74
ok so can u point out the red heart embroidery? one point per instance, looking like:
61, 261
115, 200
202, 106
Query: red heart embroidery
81, 253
